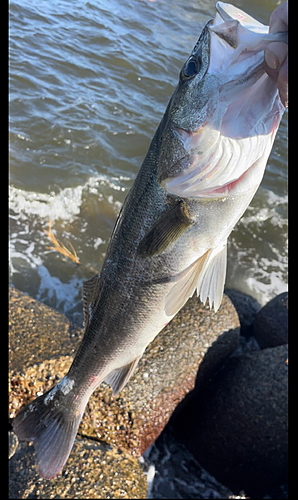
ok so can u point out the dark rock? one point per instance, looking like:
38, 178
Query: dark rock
246, 307
236, 426
133, 419
95, 470
270, 327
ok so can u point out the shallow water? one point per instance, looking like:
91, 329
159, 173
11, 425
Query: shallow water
177, 474
89, 82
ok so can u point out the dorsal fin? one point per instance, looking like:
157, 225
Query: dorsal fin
89, 294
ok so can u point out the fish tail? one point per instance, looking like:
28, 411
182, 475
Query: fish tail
51, 421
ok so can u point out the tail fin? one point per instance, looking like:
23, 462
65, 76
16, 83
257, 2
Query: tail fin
51, 421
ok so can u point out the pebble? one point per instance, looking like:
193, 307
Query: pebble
95, 471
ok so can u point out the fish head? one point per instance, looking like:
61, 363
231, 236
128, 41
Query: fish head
223, 92
226, 62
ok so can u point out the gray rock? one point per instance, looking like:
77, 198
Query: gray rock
95, 471
236, 426
246, 307
270, 327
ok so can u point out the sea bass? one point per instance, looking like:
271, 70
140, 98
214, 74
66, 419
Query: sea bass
204, 165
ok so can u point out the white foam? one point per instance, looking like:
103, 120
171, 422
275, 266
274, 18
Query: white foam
260, 271
27, 254
64, 295
97, 242
272, 285
261, 277
65, 204
271, 202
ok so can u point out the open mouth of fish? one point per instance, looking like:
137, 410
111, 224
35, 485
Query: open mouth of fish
242, 111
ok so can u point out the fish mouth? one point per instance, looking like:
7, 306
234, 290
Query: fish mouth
248, 97
229, 13
240, 36
225, 149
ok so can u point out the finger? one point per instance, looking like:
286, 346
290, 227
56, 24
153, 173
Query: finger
275, 55
282, 83
279, 19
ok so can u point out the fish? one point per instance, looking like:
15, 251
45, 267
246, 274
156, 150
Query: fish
202, 169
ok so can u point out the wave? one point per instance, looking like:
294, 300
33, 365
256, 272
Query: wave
65, 204
83, 215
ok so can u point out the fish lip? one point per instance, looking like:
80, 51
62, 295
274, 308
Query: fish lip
224, 15
229, 12
231, 33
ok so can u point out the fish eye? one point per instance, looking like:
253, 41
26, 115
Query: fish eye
191, 68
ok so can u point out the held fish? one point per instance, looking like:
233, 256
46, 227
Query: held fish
203, 167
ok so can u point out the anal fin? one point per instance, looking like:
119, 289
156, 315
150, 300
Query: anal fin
118, 378
207, 274
186, 283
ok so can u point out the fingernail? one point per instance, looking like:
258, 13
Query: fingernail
271, 59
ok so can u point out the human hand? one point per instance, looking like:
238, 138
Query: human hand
276, 54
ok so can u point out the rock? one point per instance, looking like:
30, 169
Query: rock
37, 332
270, 327
95, 470
246, 307
132, 420
236, 426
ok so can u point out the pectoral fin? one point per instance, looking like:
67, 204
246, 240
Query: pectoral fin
117, 379
166, 230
